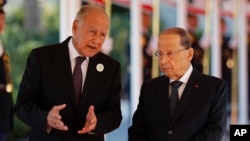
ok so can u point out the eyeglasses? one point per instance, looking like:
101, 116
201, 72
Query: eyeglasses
169, 53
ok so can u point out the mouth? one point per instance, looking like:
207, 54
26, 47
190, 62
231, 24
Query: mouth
91, 47
166, 67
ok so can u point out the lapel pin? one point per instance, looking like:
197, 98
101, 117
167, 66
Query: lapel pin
196, 86
99, 67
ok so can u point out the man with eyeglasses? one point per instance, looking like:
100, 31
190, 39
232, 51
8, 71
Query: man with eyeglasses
193, 110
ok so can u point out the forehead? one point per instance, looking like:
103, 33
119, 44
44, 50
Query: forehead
96, 19
95, 16
169, 42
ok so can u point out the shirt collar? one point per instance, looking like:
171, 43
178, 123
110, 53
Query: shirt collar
185, 77
73, 52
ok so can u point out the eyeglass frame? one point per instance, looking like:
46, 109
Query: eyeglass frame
169, 53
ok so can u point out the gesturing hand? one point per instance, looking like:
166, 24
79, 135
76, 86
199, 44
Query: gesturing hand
54, 118
90, 121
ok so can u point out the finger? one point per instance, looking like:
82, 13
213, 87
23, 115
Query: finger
54, 118
90, 121
91, 113
84, 130
91, 108
56, 110
59, 107
89, 126
61, 126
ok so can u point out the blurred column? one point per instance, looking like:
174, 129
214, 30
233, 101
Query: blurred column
68, 10
234, 45
215, 40
155, 32
181, 6
242, 63
136, 55
107, 46
206, 37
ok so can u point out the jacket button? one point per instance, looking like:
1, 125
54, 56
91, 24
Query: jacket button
170, 132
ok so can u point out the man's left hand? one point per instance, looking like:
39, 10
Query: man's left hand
90, 121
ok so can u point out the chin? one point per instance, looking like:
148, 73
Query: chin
169, 74
91, 54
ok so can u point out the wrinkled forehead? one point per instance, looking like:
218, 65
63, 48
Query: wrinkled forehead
168, 42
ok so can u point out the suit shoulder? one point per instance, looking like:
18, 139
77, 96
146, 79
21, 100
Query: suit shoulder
212, 79
52, 46
44, 48
106, 58
156, 81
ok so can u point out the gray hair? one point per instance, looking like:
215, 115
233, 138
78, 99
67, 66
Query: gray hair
85, 9
185, 40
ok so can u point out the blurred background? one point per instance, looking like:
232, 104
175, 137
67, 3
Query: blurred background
219, 29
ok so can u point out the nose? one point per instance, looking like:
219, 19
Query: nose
163, 59
98, 38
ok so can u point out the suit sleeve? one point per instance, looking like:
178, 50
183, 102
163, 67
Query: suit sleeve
26, 107
216, 124
136, 130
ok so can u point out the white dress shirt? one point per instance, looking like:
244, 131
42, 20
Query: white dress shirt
72, 55
184, 80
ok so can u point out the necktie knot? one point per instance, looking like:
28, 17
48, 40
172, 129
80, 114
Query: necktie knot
176, 84
79, 60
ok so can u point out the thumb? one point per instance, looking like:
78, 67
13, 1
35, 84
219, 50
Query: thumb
60, 107
91, 109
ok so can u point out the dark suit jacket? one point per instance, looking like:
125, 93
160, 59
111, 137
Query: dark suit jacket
47, 81
201, 113
6, 103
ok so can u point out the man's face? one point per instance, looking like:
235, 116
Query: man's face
175, 59
90, 33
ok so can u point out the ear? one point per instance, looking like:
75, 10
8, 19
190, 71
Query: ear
190, 53
74, 26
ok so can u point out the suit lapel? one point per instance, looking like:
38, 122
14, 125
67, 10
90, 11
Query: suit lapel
91, 77
163, 97
62, 63
189, 93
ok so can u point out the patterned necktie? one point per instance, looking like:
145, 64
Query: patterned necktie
77, 77
174, 96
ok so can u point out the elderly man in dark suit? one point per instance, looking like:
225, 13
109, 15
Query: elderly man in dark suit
48, 100
193, 110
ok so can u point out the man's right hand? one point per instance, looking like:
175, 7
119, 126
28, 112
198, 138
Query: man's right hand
54, 118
